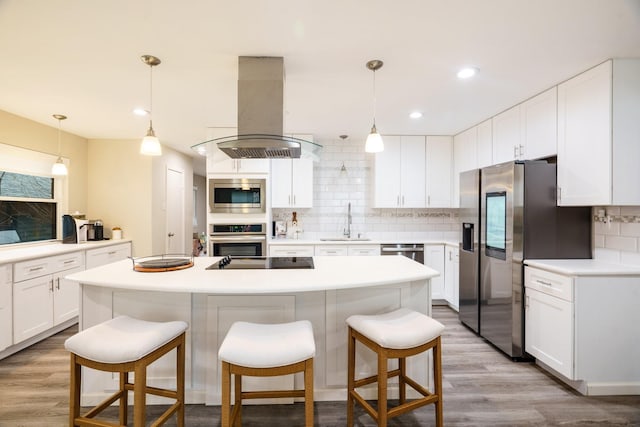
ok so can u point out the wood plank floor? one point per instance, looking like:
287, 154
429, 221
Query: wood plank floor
482, 388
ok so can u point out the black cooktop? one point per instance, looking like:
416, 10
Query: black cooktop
262, 263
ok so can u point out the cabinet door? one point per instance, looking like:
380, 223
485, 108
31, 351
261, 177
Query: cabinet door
387, 174
549, 330
485, 143
6, 304
506, 136
464, 159
584, 138
438, 169
66, 296
434, 258
539, 120
302, 183
281, 183
451, 287
412, 172
33, 307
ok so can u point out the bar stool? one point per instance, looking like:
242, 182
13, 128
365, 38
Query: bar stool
124, 345
394, 335
264, 350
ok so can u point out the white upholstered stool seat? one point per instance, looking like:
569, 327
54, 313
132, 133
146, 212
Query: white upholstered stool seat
256, 349
124, 345
395, 335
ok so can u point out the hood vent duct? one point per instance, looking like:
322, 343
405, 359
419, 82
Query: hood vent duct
261, 114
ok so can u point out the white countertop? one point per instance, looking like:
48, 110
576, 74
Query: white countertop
584, 267
330, 272
27, 252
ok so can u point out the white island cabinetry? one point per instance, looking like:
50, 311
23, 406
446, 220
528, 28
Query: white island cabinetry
581, 318
211, 300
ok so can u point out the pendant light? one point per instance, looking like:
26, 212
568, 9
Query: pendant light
59, 168
343, 169
150, 144
374, 142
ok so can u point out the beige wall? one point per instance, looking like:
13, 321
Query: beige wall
25, 133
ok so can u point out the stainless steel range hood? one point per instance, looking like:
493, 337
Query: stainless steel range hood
261, 114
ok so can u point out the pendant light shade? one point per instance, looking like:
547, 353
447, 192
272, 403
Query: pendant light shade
59, 168
150, 145
374, 142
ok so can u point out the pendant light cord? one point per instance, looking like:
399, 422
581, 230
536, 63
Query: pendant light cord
59, 130
151, 96
374, 98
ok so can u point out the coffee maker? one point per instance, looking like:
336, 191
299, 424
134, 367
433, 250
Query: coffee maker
95, 230
74, 230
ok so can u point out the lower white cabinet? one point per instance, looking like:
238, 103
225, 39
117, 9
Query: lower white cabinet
43, 302
6, 312
583, 327
347, 250
291, 250
451, 276
331, 250
107, 255
434, 258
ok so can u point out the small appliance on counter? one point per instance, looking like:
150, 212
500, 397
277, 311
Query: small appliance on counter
74, 229
95, 230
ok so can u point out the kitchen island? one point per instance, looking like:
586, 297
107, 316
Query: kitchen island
211, 300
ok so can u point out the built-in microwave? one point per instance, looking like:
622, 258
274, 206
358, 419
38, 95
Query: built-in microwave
237, 195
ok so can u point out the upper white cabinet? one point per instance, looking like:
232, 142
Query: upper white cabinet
484, 132
219, 162
464, 159
400, 176
598, 128
6, 304
507, 145
438, 171
539, 120
291, 183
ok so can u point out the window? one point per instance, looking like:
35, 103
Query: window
28, 208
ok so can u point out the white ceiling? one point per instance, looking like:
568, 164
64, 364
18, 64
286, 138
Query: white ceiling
81, 58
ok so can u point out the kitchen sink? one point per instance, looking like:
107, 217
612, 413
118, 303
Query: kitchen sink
345, 239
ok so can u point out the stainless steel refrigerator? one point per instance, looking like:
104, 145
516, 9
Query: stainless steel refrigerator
514, 217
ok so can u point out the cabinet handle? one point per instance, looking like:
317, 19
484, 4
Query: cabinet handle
402, 200
57, 283
521, 150
51, 285
112, 253
69, 261
543, 283
36, 268
397, 200
515, 151
526, 302
428, 200
294, 200
450, 256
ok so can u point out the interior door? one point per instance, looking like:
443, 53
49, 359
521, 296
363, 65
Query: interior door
175, 236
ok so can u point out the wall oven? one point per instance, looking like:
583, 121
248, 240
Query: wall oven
240, 240
237, 195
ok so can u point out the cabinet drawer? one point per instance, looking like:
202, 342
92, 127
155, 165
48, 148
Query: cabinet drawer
549, 283
331, 250
47, 265
291, 250
106, 255
364, 250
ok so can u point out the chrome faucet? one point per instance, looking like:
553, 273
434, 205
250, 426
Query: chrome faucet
347, 231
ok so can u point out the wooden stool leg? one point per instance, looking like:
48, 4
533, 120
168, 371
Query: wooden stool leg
308, 393
124, 398
351, 371
382, 387
180, 361
74, 386
402, 385
237, 406
140, 395
226, 395
437, 381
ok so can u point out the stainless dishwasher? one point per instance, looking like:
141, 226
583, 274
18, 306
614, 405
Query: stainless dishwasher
415, 251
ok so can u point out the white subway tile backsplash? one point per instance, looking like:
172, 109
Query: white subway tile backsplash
617, 241
621, 243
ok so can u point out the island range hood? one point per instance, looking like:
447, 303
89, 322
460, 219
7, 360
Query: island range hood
261, 114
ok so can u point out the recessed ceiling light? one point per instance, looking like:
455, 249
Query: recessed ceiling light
415, 115
467, 72
140, 112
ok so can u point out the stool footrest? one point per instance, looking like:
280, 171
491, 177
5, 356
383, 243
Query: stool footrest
155, 391
103, 405
276, 394
166, 414
374, 378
